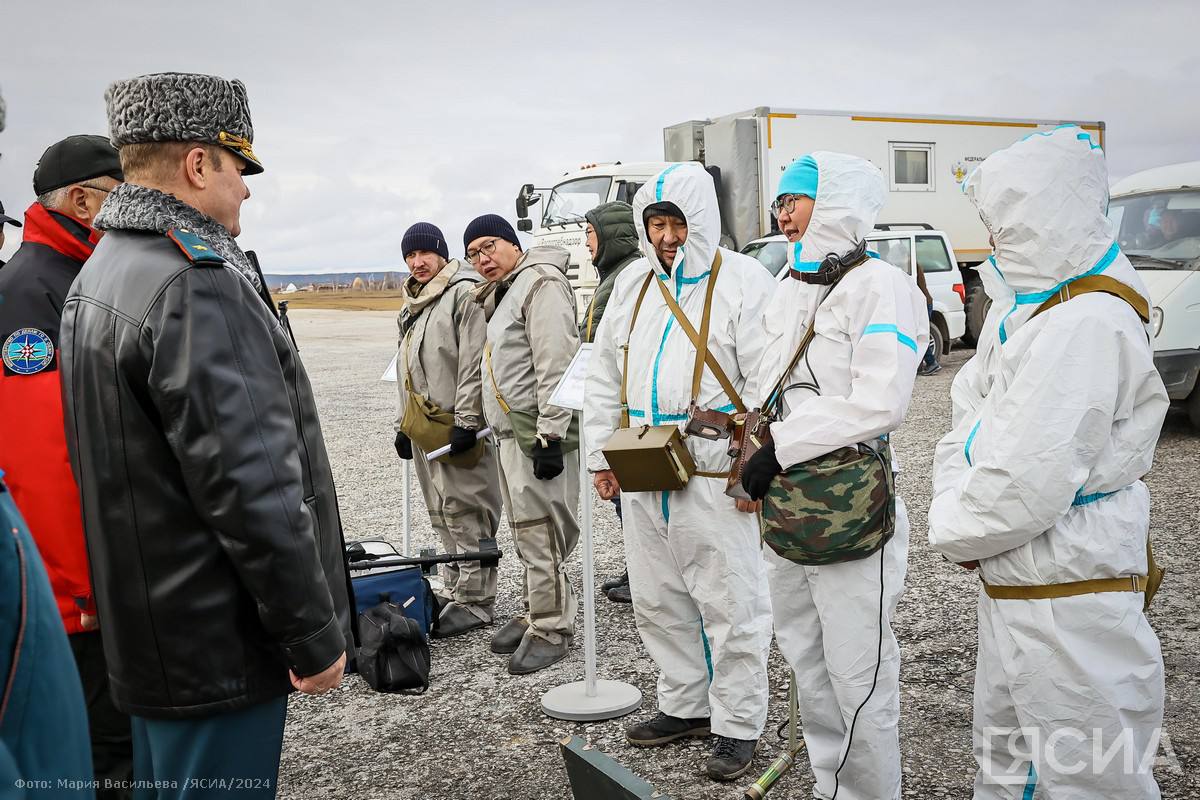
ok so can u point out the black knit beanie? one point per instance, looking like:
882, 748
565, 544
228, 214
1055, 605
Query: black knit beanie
424, 236
489, 225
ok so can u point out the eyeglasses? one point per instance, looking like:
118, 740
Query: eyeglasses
94, 188
785, 204
485, 249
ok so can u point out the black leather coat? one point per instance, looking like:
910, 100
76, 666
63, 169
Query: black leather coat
208, 502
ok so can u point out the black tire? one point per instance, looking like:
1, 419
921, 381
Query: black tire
1193, 408
938, 337
978, 304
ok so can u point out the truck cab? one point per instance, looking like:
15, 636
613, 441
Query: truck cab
562, 208
1156, 220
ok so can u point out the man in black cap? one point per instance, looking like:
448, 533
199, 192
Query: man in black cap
209, 508
441, 338
71, 181
531, 339
5, 220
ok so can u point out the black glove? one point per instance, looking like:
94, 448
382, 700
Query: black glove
547, 461
759, 470
461, 440
403, 446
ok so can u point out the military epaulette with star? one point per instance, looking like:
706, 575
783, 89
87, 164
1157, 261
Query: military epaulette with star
196, 249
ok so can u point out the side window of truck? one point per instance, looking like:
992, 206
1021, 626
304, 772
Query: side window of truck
626, 190
932, 255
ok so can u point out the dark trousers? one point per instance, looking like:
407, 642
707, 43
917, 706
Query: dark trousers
931, 355
112, 744
228, 755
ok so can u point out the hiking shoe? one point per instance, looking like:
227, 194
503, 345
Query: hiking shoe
508, 638
730, 758
933, 370
536, 653
456, 619
664, 728
613, 583
620, 594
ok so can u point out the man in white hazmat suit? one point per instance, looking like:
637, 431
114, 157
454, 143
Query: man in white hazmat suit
695, 570
442, 334
833, 622
531, 339
1038, 485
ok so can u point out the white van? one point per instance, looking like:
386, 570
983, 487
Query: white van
1156, 219
903, 248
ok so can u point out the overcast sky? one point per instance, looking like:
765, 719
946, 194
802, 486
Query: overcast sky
370, 116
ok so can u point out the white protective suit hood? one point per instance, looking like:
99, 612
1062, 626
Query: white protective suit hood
1044, 200
691, 188
850, 193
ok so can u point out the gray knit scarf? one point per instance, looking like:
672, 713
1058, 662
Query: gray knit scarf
130, 207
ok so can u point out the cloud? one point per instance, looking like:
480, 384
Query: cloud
373, 115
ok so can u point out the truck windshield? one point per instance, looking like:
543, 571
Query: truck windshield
571, 200
1163, 228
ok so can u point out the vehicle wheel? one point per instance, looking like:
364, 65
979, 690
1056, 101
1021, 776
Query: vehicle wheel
1193, 408
938, 338
978, 304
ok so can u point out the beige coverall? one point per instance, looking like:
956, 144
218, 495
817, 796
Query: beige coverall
532, 336
441, 336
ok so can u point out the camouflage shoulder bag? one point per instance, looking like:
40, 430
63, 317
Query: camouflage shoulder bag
834, 508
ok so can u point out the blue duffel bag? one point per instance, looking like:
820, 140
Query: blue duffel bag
375, 582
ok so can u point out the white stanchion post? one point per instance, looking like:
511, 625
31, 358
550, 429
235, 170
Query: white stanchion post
589, 580
407, 524
590, 699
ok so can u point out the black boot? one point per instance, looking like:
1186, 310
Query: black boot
536, 653
508, 638
613, 583
730, 759
456, 619
620, 594
664, 728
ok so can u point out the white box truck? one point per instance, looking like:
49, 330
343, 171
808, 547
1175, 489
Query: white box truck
924, 158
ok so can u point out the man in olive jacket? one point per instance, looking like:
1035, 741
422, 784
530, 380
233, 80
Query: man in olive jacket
208, 503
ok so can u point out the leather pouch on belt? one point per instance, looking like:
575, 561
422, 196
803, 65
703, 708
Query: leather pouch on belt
649, 458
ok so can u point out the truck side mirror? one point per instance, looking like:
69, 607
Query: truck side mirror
525, 198
525, 225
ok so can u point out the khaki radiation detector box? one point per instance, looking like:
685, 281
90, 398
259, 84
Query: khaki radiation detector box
649, 458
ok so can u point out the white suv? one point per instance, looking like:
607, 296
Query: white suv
903, 248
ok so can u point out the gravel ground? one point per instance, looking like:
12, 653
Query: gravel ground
479, 732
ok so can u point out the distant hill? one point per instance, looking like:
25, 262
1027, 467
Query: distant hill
378, 280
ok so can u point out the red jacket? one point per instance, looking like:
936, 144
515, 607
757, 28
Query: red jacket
33, 444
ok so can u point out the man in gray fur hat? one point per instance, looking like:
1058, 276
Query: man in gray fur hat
208, 502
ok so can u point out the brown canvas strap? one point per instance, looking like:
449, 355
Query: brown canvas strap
1099, 283
625, 365
1131, 583
487, 355
700, 340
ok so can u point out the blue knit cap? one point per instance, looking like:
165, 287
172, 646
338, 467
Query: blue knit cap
800, 177
424, 236
489, 225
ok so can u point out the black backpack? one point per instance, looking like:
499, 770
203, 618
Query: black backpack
394, 654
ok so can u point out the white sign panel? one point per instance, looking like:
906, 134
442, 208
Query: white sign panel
389, 374
569, 392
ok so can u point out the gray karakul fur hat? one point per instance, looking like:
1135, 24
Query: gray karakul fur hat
182, 107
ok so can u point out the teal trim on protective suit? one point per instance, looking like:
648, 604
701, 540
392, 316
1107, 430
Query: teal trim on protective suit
1031, 298
1030, 784
662, 176
970, 441
1088, 499
666, 507
655, 418
707, 651
907, 341
800, 177
802, 266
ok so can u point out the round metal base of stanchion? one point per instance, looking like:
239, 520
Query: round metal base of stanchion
570, 701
